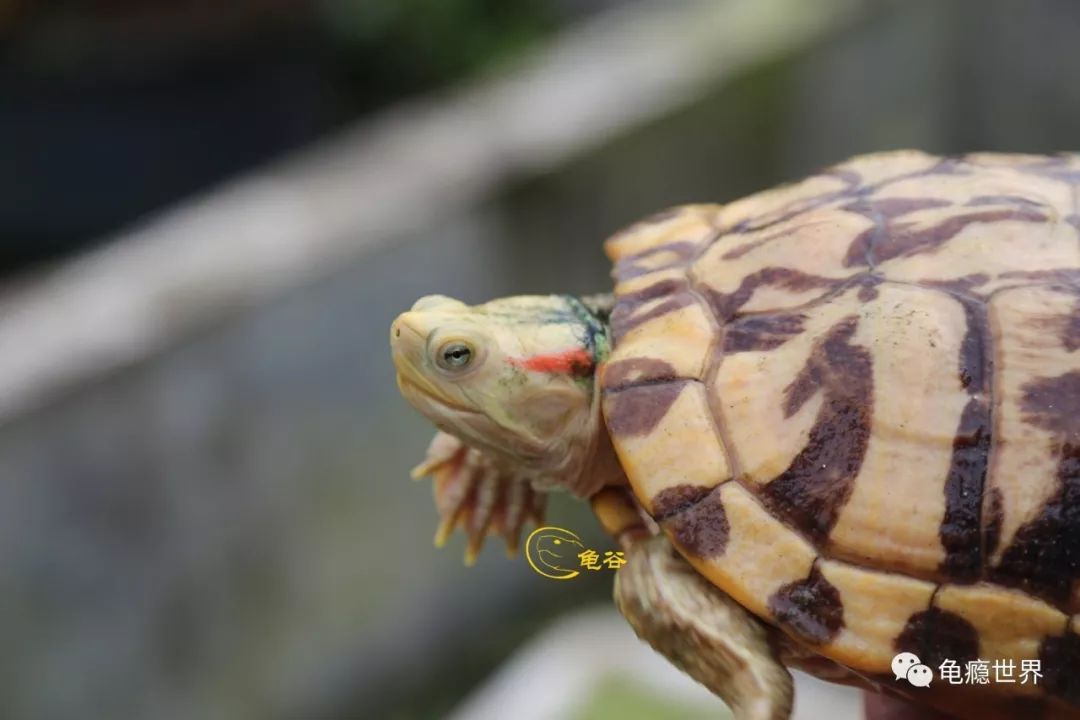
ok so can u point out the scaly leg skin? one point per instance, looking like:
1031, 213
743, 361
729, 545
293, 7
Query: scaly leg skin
475, 494
621, 517
702, 631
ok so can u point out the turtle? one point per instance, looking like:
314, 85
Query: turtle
835, 425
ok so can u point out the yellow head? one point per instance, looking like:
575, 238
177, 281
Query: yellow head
513, 378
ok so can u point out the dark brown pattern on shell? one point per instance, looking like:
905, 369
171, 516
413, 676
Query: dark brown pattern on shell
725, 305
936, 635
1054, 404
632, 300
676, 499
805, 385
789, 212
881, 212
1066, 327
1065, 277
737, 252
875, 210
1044, 555
1059, 660
635, 371
861, 251
960, 531
621, 325
951, 165
1003, 200
975, 364
894, 207
850, 178
868, 288
964, 285
701, 528
1070, 330
630, 266
993, 517
853, 189
811, 492
811, 609
904, 240
627, 313
762, 332
961, 527
637, 410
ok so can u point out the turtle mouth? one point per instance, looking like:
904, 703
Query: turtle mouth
471, 425
422, 396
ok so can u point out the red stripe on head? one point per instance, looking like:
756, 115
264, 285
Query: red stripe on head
569, 362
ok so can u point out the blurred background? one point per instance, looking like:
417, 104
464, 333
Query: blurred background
209, 215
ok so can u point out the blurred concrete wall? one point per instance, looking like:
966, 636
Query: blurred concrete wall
205, 513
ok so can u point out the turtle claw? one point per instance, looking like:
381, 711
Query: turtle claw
475, 494
442, 450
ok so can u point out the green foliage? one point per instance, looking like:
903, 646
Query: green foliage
396, 47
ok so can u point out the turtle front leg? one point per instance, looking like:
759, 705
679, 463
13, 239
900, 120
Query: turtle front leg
702, 631
474, 493
620, 516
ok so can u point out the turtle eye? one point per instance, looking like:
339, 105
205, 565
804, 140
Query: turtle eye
454, 356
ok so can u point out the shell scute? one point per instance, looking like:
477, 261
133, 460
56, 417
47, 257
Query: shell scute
677, 230
664, 436
751, 533
1010, 625
877, 607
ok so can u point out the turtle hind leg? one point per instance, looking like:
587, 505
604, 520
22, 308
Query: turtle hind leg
702, 631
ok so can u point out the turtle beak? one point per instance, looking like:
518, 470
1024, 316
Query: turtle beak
408, 344
408, 347
410, 331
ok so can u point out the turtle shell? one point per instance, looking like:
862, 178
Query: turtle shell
853, 404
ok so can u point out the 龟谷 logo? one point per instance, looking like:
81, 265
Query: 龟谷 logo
559, 554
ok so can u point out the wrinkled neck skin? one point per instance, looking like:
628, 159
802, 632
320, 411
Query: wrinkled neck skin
584, 463
516, 379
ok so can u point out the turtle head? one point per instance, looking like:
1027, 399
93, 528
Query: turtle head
513, 378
